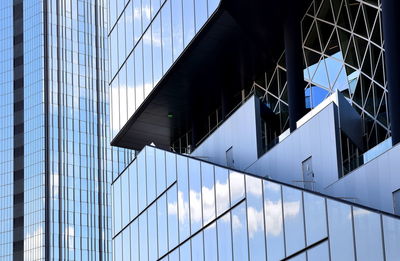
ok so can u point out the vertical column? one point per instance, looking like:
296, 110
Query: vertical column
391, 33
294, 62
18, 198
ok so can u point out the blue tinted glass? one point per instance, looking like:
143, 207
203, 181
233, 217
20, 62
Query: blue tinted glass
183, 198
151, 174
239, 233
224, 237
210, 243
196, 217
293, 220
141, 171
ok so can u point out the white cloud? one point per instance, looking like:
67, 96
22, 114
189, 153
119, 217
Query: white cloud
256, 221
33, 244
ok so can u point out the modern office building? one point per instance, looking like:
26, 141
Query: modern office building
55, 157
265, 129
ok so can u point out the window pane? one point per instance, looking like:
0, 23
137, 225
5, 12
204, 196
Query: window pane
134, 241
208, 190
162, 225
391, 230
255, 216
210, 243
236, 181
143, 236
172, 218
197, 247
340, 231
157, 55
293, 218
160, 171
150, 174
177, 30
273, 221
137, 20
183, 198
171, 168
118, 247
117, 205
129, 27
146, 13
174, 256
184, 251
315, 214
368, 233
195, 195
221, 190
123, 117
141, 161
139, 89
201, 13
152, 230
125, 196
126, 244
147, 62
239, 232
318, 253
212, 6
130, 86
188, 21
133, 189
224, 237
166, 35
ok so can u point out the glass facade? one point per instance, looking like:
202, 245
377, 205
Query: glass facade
55, 158
207, 212
146, 37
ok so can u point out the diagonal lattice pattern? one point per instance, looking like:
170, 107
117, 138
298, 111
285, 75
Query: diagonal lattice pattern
343, 50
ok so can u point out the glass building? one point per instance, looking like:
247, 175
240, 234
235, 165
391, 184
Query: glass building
265, 130
55, 158
168, 206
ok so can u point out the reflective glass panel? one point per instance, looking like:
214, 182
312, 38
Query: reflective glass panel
293, 218
160, 171
188, 21
236, 181
195, 196
177, 28
134, 240
125, 198
133, 189
368, 233
137, 19
221, 189
273, 221
171, 167
143, 237
315, 215
391, 231
185, 252
157, 52
166, 35
147, 62
208, 191
172, 217
319, 252
152, 230
183, 198
255, 217
126, 244
224, 237
197, 247
340, 231
239, 233
150, 174
117, 205
201, 13
162, 225
210, 243
141, 171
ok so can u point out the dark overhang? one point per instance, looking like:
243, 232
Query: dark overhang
238, 42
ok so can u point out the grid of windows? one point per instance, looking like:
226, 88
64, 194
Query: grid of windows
6, 130
145, 38
213, 213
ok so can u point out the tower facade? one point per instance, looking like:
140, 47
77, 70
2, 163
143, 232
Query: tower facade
54, 146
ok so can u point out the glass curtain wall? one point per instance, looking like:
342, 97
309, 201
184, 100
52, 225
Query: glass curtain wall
145, 38
206, 212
